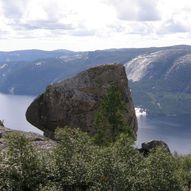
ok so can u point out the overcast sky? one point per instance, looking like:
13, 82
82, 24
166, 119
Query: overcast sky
93, 24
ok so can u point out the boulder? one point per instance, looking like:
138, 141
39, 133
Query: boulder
1, 123
148, 146
74, 102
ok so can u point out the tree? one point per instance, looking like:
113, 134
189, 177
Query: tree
110, 117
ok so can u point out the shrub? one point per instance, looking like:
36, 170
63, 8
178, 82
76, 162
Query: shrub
24, 169
162, 168
72, 159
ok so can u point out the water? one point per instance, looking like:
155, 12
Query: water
176, 132
12, 112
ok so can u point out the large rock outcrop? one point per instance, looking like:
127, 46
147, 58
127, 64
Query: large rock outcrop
74, 102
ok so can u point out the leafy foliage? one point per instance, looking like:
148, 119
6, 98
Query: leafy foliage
162, 171
72, 158
80, 162
22, 164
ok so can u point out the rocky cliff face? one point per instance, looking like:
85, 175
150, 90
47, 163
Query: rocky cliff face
74, 102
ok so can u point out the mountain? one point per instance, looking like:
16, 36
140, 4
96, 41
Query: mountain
31, 55
161, 81
32, 77
159, 78
16, 69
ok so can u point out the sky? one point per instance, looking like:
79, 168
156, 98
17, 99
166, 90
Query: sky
84, 25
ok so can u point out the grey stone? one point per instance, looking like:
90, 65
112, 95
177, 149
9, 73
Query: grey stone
1, 123
38, 141
148, 146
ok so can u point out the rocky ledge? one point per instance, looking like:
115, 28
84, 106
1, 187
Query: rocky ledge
74, 102
38, 141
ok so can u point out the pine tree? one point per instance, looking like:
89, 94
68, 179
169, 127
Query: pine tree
110, 117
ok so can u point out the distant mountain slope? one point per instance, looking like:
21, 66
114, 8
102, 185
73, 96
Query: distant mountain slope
31, 77
161, 80
31, 55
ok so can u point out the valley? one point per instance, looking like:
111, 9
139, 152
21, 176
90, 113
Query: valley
159, 78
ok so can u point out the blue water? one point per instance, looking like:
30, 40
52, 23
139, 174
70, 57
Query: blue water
12, 112
176, 132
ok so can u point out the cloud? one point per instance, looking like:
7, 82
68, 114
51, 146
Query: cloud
78, 18
141, 28
81, 32
178, 23
114, 23
136, 10
14, 9
4, 34
172, 26
43, 24
148, 10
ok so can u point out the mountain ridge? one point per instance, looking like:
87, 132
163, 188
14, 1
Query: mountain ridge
159, 76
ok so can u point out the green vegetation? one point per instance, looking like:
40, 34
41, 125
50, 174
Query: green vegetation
22, 167
110, 118
80, 162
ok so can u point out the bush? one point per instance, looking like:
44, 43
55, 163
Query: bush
72, 159
77, 164
184, 171
24, 169
162, 172
49, 187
